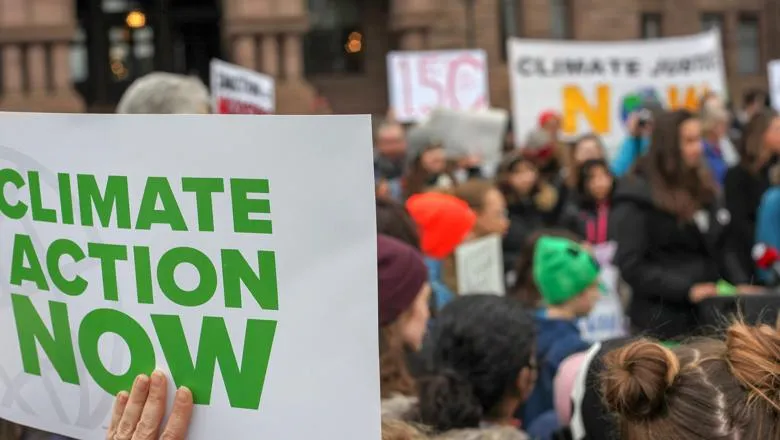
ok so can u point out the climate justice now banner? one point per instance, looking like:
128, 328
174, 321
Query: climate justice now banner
204, 250
597, 85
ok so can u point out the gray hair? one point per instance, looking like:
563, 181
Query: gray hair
165, 93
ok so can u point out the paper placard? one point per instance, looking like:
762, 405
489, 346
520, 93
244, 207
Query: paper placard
196, 251
237, 90
480, 266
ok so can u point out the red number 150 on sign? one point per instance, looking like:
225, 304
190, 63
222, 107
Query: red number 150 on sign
421, 82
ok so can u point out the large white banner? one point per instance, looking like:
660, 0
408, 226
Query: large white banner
773, 71
420, 82
203, 250
597, 85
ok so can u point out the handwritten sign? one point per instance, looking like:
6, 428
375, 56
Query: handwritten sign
236, 90
420, 82
480, 266
773, 68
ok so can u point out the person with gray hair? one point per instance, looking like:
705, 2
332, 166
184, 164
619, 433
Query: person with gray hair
715, 124
165, 93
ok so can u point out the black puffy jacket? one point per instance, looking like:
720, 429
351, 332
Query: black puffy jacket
661, 258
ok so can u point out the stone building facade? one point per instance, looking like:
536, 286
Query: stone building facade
79, 55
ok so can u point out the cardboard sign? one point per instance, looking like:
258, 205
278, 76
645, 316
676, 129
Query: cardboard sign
597, 85
196, 251
420, 82
479, 133
480, 266
236, 90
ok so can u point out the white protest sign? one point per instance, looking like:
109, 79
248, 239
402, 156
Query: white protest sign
773, 68
597, 85
607, 319
237, 90
479, 266
419, 82
464, 133
198, 247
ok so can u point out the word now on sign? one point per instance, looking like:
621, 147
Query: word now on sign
422, 81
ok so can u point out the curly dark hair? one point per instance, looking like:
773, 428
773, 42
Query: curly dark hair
479, 346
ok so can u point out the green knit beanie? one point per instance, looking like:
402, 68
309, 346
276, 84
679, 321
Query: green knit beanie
562, 269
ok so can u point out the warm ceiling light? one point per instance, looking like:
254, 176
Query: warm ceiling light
354, 46
135, 19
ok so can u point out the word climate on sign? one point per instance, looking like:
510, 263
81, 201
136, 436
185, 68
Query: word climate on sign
83, 201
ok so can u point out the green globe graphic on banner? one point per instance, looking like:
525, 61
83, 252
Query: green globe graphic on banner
634, 101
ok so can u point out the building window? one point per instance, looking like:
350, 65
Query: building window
510, 17
79, 61
748, 45
711, 21
335, 43
651, 26
560, 19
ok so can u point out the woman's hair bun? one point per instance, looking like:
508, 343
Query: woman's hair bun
447, 402
753, 354
637, 377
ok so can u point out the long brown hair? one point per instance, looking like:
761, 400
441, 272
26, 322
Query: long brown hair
416, 180
753, 153
675, 187
505, 170
709, 389
574, 169
394, 375
473, 192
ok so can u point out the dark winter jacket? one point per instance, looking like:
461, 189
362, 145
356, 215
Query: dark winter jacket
547, 208
743, 191
661, 258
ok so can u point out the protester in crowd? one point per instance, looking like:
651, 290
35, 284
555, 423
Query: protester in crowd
587, 147
444, 222
714, 122
596, 186
706, 390
165, 93
482, 369
712, 102
754, 101
567, 277
670, 226
393, 220
640, 126
533, 204
488, 204
403, 317
768, 221
746, 183
390, 143
550, 122
542, 150
524, 288
428, 171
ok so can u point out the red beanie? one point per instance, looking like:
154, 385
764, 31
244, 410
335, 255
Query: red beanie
548, 115
402, 274
443, 220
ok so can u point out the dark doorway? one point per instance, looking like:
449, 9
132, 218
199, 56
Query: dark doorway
118, 41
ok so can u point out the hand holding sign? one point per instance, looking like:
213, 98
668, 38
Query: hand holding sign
138, 415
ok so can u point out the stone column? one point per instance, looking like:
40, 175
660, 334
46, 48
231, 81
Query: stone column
270, 55
37, 69
293, 57
12, 71
413, 39
245, 51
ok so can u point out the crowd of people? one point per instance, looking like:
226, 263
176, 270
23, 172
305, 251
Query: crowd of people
685, 198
